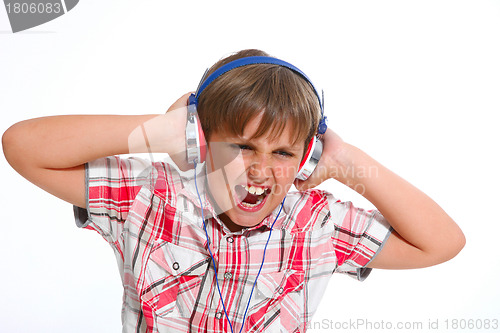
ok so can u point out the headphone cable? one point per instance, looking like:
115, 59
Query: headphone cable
213, 260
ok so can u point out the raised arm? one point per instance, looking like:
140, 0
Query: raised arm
423, 235
51, 151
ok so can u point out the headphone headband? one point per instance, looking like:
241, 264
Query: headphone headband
257, 60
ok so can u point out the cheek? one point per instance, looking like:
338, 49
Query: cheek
220, 157
286, 172
219, 190
284, 177
224, 171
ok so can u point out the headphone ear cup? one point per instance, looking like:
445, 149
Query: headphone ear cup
196, 147
311, 158
201, 142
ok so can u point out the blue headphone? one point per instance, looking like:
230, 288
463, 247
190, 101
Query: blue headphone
194, 133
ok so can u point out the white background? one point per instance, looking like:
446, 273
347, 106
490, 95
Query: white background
416, 84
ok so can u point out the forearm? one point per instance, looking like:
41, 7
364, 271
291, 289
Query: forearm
60, 142
417, 220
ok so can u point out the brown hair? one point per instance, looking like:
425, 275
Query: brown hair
236, 97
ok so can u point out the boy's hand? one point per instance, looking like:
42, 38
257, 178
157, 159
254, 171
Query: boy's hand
180, 103
164, 134
180, 158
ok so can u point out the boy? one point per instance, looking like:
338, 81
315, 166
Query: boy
216, 243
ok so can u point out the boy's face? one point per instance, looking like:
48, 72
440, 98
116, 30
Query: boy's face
248, 178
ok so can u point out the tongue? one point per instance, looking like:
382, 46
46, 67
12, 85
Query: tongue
251, 198
247, 197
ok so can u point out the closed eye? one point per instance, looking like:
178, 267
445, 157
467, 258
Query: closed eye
244, 147
248, 148
283, 153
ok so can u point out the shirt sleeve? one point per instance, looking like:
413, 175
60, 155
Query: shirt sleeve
111, 185
358, 237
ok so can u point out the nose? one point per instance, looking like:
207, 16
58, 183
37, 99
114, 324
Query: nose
260, 167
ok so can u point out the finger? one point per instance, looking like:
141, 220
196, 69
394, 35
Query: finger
181, 102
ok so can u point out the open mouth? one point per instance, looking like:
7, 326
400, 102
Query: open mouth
251, 197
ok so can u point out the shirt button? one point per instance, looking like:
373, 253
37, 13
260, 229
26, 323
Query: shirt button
228, 275
175, 265
230, 239
219, 315
280, 291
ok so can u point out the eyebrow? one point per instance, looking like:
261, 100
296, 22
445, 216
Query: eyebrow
290, 147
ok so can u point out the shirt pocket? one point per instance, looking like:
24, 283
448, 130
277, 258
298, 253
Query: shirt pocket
278, 304
172, 280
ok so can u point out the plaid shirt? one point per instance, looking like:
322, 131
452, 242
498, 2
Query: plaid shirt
151, 217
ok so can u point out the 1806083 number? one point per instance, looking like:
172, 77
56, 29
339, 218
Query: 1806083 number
471, 324
34, 8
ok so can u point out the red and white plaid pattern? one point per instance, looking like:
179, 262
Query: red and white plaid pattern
151, 217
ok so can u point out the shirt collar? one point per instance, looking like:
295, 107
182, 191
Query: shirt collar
194, 192
275, 220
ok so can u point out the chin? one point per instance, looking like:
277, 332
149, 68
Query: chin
235, 221
238, 218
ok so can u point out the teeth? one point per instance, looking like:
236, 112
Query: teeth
254, 190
